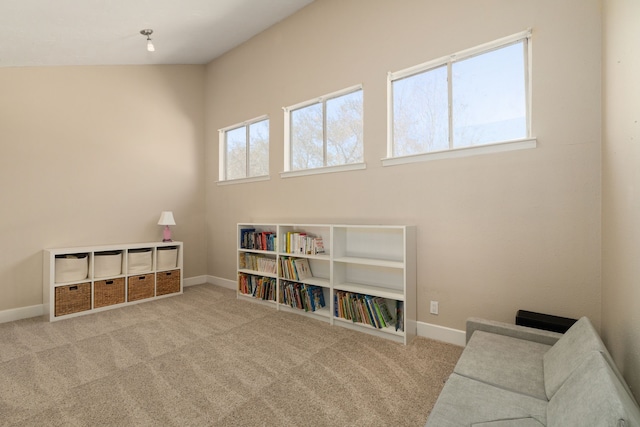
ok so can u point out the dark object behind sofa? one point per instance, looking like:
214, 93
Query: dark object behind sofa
544, 321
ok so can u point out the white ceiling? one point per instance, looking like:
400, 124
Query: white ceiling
107, 32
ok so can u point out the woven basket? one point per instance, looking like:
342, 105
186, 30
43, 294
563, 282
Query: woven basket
168, 282
108, 292
141, 287
73, 298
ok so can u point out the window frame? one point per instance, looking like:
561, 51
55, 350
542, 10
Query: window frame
222, 147
526, 142
288, 147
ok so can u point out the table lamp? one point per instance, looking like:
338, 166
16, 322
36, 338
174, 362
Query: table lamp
166, 219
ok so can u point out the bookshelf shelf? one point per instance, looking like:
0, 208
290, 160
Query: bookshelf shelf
386, 330
370, 261
375, 291
369, 268
257, 273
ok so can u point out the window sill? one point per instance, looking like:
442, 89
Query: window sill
244, 180
520, 144
328, 169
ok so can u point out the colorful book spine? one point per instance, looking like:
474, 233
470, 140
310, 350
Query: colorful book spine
258, 240
257, 286
366, 309
302, 296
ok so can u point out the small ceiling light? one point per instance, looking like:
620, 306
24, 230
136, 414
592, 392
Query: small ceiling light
148, 33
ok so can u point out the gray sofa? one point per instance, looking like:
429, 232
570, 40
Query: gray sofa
516, 376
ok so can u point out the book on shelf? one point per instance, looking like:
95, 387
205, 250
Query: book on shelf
318, 246
367, 309
250, 238
295, 268
301, 296
303, 270
261, 263
399, 316
257, 286
303, 243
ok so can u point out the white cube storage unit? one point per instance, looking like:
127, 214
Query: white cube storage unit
83, 280
361, 277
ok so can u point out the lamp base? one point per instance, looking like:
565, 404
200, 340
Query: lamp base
166, 234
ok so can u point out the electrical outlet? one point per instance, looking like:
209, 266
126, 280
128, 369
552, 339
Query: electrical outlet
434, 307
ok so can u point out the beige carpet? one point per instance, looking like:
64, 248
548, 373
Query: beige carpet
206, 359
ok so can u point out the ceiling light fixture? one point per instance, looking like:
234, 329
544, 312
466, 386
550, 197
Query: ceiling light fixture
148, 33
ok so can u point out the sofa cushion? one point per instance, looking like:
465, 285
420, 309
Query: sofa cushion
505, 362
465, 401
514, 422
568, 353
592, 396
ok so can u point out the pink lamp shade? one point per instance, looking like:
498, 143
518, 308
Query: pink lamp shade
166, 219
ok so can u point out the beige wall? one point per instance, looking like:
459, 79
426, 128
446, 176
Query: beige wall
621, 187
91, 155
496, 233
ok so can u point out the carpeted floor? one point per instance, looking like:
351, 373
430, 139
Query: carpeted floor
205, 358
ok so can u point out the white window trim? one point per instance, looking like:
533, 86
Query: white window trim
222, 151
446, 60
287, 134
498, 147
321, 170
244, 180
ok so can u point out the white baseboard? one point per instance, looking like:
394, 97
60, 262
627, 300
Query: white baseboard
225, 283
196, 280
442, 333
21, 313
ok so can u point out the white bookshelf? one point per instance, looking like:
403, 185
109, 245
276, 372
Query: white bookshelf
136, 272
359, 261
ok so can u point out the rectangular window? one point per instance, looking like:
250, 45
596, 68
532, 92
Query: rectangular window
244, 150
473, 98
325, 134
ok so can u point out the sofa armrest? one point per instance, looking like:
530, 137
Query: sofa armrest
515, 331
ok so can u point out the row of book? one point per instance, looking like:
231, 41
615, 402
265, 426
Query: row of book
258, 240
260, 263
257, 286
301, 296
295, 268
369, 310
294, 242
303, 243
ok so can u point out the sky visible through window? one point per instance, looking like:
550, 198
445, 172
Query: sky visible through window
488, 103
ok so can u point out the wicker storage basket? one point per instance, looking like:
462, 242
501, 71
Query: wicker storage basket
168, 282
108, 292
167, 257
141, 287
107, 264
139, 260
71, 267
73, 298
